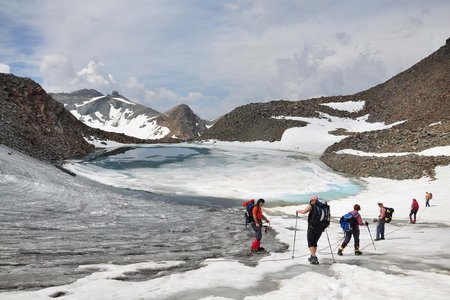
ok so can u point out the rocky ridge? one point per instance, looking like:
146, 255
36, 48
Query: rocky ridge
35, 124
419, 96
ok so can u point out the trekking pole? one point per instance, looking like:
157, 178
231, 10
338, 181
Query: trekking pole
329, 243
295, 234
371, 238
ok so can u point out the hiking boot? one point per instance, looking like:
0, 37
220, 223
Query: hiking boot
340, 252
313, 260
261, 249
377, 239
253, 250
357, 252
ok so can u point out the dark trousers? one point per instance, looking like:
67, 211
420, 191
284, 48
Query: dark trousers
313, 235
348, 237
380, 229
412, 213
258, 231
427, 204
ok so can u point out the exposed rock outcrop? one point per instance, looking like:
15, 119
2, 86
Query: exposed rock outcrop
419, 96
34, 123
183, 123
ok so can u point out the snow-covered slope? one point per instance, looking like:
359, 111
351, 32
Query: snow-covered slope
115, 113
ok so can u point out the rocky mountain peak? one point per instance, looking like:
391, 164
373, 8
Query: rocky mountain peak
182, 122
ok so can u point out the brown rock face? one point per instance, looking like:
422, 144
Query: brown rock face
420, 96
182, 122
32, 122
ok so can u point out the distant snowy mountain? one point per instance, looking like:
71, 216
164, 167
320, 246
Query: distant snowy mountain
116, 113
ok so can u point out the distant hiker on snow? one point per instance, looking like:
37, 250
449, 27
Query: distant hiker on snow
318, 221
381, 222
428, 197
414, 209
258, 216
350, 223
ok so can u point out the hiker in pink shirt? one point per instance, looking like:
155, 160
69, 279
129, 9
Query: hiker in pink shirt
381, 222
354, 231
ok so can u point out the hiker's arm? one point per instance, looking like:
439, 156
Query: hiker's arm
359, 220
267, 220
304, 210
382, 213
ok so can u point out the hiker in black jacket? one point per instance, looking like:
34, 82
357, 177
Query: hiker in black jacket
314, 232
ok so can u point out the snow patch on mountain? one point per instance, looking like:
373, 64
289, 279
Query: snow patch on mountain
350, 106
435, 151
315, 137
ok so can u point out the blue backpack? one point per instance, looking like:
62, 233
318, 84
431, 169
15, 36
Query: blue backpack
347, 222
249, 213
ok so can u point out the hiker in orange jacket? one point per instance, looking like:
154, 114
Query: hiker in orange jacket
258, 216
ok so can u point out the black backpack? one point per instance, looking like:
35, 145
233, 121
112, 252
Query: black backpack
320, 215
388, 214
249, 213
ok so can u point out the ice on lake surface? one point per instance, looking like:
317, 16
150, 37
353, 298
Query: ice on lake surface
275, 175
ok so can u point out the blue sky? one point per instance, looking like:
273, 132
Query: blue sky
217, 55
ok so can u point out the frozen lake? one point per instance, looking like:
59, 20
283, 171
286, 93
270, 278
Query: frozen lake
209, 170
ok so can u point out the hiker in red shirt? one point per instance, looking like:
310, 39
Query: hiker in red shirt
414, 210
257, 225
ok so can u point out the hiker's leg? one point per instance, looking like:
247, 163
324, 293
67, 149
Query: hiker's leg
415, 214
313, 236
356, 237
312, 250
258, 235
379, 229
382, 229
410, 216
348, 236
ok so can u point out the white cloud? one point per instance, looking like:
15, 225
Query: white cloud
225, 54
94, 75
4, 68
60, 76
